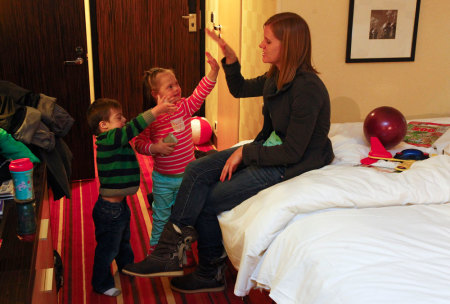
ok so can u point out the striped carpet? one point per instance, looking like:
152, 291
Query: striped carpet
74, 239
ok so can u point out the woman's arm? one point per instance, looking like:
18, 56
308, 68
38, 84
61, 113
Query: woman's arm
240, 87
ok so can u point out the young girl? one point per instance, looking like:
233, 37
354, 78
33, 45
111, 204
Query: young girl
169, 139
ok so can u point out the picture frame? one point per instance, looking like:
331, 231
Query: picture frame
382, 30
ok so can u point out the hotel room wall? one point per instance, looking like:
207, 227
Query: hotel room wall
253, 16
211, 102
418, 89
225, 107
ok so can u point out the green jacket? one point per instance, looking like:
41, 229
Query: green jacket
13, 149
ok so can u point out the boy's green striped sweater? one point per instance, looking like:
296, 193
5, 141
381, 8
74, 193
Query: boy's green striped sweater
117, 165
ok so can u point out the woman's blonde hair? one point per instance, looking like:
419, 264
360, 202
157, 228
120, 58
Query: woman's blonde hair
150, 84
293, 33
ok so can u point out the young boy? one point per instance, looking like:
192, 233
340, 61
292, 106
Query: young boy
119, 176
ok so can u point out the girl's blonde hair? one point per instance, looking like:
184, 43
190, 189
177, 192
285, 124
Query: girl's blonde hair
150, 84
293, 32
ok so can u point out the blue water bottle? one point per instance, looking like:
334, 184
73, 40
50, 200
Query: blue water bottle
22, 174
26, 221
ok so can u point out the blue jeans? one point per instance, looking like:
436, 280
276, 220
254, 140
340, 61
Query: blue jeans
202, 196
112, 233
165, 189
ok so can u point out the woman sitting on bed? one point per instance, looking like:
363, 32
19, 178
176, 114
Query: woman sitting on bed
293, 140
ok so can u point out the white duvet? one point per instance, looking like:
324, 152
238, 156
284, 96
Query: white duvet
250, 228
397, 254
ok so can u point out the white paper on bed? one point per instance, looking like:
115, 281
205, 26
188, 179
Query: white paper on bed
395, 255
249, 228
442, 144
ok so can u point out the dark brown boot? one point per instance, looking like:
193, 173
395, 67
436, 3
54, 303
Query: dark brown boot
207, 277
167, 258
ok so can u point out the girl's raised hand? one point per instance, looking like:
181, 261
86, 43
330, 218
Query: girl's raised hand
212, 62
212, 75
227, 51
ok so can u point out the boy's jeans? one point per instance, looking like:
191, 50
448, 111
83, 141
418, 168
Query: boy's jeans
202, 197
165, 189
112, 233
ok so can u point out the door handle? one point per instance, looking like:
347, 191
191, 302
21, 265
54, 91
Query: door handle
217, 27
77, 61
192, 22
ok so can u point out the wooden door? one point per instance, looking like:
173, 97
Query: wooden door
36, 38
134, 36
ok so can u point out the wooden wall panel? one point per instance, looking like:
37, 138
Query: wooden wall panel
136, 35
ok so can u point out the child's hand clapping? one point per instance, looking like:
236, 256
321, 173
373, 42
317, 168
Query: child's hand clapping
212, 75
163, 106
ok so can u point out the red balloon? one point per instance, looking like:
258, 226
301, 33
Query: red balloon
386, 123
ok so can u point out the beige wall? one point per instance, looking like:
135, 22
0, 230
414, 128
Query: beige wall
211, 47
225, 107
246, 119
253, 17
418, 89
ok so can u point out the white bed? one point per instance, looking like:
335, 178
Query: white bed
346, 233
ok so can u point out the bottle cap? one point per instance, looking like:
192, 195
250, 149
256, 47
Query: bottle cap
21, 164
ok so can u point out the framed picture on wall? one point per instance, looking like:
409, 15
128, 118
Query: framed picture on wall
382, 30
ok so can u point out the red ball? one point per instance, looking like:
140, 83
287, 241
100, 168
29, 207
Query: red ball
386, 123
201, 130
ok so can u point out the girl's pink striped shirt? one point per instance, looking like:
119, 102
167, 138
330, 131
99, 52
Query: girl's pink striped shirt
176, 162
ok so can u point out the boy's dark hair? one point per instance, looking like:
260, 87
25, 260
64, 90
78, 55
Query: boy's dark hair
150, 84
100, 110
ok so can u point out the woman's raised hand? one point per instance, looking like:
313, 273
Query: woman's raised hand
227, 51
